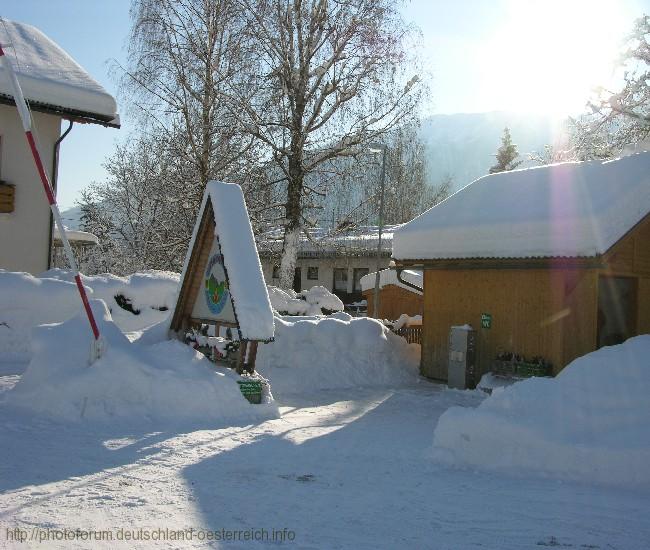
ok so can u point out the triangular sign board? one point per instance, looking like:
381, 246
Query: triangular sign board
222, 281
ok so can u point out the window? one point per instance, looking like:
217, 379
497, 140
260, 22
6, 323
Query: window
341, 279
312, 273
358, 273
276, 272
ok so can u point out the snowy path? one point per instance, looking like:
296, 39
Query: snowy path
348, 470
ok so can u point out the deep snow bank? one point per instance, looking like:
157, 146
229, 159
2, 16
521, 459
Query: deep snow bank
591, 423
167, 381
152, 294
27, 301
335, 352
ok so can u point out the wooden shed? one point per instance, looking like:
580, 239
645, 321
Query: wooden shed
395, 298
549, 262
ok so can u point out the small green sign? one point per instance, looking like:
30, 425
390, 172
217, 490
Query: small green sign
486, 320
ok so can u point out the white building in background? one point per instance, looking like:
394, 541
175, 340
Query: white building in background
335, 261
57, 89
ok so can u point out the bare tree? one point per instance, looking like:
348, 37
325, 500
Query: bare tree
408, 192
619, 118
182, 55
552, 154
330, 76
142, 213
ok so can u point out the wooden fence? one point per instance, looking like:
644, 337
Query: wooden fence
413, 335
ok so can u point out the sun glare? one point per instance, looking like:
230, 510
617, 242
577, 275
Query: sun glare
548, 56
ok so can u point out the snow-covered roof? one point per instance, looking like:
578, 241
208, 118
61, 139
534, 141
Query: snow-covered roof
323, 242
250, 298
76, 236
389, 277
570, 210
51, 80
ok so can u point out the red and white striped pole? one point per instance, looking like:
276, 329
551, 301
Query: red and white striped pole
47, 187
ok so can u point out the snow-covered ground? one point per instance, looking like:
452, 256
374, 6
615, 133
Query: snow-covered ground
588, 424
341, 469
356, 451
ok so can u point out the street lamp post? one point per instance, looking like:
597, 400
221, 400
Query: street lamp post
376, 148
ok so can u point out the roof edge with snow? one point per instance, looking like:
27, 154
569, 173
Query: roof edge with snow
51, 80
568, 213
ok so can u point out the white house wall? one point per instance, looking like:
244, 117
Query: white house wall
326, 268
24, 234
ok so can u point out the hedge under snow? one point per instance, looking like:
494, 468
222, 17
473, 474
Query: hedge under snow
339, 351
590, 423
27, 301
307, 302
167, 381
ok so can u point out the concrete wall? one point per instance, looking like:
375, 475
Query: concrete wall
24, 234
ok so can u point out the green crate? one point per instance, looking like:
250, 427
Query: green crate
251, 390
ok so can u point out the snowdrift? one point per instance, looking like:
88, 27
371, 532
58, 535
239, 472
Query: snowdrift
307, 302
144, 298
167, 381
335, 352
27, 301
590, 424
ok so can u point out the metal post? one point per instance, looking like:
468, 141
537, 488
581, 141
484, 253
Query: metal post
375, 308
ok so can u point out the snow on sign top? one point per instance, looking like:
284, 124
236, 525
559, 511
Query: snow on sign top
570, 210
48, 75
233, 287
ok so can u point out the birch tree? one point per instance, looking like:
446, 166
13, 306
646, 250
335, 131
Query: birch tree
182, 55
330, 77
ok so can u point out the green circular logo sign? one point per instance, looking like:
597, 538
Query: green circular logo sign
216, 286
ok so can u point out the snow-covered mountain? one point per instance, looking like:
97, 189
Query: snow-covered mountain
463, 145
71, 217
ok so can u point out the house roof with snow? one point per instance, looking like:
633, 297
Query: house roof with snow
75, 236
324, 243
51, 80
569, 210
389, 277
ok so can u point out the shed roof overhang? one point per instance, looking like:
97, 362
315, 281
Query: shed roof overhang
595, 262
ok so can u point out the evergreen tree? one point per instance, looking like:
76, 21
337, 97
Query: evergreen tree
507, 155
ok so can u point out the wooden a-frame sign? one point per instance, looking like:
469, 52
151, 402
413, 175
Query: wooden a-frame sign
222, 282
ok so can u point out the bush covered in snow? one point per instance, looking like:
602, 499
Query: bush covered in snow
27, 301
167, 381
315, 301
590, 423
335, 352
135, 301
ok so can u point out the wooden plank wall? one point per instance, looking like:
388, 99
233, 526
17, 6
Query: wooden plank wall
394, 301
527, 308
580, 325
547, 312
193, 281
630, 257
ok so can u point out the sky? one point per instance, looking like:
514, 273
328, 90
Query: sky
478, 55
